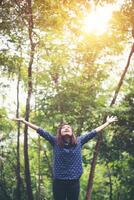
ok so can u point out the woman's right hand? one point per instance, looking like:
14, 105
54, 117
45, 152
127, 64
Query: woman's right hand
19, 119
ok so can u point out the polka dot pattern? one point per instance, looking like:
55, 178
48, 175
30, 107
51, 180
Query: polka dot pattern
67, 162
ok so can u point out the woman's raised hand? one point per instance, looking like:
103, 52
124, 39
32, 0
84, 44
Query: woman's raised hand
111, 119
18, 119
33, 126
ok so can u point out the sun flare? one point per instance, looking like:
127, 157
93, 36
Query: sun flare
97, 21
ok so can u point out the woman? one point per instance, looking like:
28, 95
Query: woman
67, 166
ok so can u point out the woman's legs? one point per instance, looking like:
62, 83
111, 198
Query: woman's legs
73, 191
66, 189
59, 190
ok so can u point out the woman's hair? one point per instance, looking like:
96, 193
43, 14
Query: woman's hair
59, 137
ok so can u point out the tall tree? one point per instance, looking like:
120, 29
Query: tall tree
18, 187
29, 93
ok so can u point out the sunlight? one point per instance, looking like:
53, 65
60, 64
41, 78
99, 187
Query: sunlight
97, 21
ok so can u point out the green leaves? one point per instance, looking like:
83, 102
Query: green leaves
74, 77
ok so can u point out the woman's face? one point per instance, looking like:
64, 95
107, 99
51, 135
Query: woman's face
66, 130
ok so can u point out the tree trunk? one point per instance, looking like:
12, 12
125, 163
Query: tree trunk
98, 143
110, 183
18, 187
39, 177
26, 157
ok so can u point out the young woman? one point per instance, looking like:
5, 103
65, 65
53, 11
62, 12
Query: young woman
67, 165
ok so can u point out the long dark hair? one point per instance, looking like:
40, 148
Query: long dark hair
59, 137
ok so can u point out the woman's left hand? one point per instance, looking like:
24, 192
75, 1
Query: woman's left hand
111, 119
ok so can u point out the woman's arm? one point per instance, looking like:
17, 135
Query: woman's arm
39, 130
86, 137
27, 123
109, 120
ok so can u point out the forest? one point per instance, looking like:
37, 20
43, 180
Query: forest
72, 61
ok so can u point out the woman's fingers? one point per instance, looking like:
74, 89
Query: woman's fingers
17, 119
112, 119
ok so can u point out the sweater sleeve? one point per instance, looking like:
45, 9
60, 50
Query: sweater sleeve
46, 135
88, 136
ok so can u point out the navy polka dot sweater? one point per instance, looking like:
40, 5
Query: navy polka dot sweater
68, 159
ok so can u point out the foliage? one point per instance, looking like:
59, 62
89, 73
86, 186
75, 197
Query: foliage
74, 76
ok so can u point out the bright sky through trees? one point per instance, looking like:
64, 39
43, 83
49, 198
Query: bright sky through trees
97, 20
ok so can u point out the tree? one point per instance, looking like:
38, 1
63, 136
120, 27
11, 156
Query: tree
29, 92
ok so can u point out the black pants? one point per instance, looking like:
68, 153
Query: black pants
66, 189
